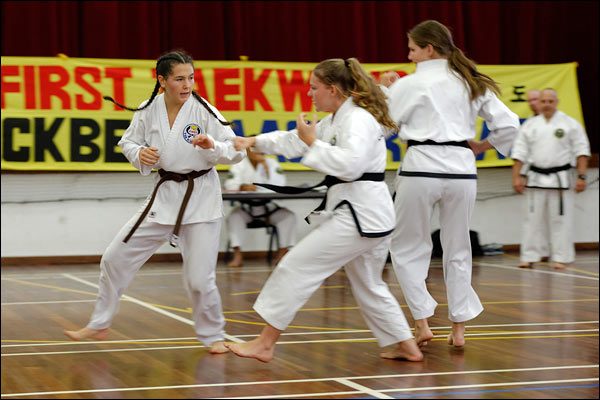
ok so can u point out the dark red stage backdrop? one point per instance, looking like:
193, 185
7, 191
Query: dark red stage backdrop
490, 32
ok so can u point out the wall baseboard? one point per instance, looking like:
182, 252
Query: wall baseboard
176, 257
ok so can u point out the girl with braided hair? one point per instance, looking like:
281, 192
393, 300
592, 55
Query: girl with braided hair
184, 137
436, 109
357, 218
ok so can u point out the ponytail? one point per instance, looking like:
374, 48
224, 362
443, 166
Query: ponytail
476, 82
352, 80
440, 38
368, 95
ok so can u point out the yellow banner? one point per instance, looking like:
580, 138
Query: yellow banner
54, 117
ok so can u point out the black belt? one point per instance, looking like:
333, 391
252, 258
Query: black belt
170, 176
548, 171
463, 143
554, 170
329, 181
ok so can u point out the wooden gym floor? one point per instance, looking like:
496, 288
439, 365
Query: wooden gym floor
537, 338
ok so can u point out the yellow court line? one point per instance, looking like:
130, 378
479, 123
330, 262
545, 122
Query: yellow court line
292, 326
441, 338
33, 342
320, 288
537, 301
50, 286
583, 271
506, 284
468, 338
440, 304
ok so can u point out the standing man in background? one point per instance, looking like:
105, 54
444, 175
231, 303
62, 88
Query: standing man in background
549, 143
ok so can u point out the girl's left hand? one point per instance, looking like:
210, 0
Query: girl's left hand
479, 147
307, 130
203, 141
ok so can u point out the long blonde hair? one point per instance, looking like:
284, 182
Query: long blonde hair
352, 80
439, 37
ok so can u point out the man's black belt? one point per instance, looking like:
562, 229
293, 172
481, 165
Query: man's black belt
329, 181
170, 176
463, 143
554, 170
548, 171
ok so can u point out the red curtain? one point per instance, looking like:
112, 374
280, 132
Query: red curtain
490, 32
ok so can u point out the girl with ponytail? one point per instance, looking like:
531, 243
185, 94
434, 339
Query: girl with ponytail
182, 136
436, 109
356, 217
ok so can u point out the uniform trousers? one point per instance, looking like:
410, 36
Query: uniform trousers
199, 245
283, 219
332, 245
543, 208
411, 245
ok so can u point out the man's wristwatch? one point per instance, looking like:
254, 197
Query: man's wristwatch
581, 176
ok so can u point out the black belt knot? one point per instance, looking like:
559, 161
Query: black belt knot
170, 176
554, 170
329, 181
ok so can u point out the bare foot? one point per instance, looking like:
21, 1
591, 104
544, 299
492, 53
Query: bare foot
457, 336
252, 349
558, 265
423, 336
236, 262
406, 350
218, 348
87, 333
524, 264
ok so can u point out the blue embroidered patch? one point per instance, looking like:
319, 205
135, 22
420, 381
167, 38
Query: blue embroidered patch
190, 131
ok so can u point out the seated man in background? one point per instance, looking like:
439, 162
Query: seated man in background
260, 169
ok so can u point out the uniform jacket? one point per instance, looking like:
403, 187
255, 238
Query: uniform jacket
349, 144
150, 127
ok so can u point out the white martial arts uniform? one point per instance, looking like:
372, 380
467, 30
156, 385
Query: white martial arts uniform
433, 104
349, 144
284, 219
201, 224
547, 144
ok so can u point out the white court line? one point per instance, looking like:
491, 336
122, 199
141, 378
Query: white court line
368, 339
484, 385
292, 396
150, 307
537, 271
156, 340
362, 389
231, 384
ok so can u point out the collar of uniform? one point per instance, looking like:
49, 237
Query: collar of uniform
346, 106
438, 63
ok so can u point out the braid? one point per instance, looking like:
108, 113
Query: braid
152, 96
201, 100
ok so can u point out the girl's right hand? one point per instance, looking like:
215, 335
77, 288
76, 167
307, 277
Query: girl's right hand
149, 155
243, 143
